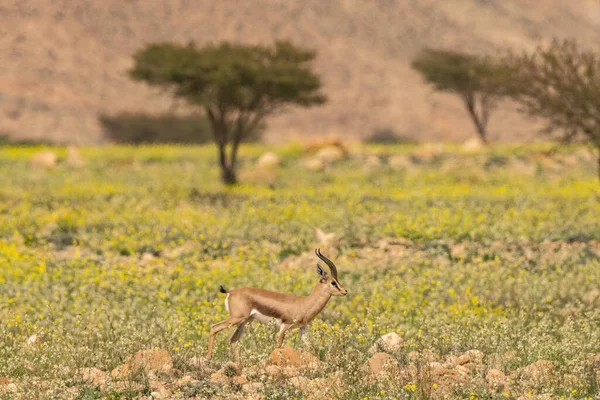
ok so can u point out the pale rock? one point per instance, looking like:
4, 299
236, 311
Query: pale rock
545, 396
268, 160
399, 161
314, 164
33, 340
9, 388
372, 162
435, 365
146, 258
240, 380
289, 371
44, 159
496, 380
413, 356
329, 154
389, 343
300, 382
74, 158
383, 364
450, 361
326, 239
252, 387
475, 356
148, 360
273, 371
286, 356
219, 378
535, 374
93, 375
461, 369
463, 359
473, 144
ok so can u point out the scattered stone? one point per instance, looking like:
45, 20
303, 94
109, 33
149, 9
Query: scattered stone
4, 381
94, 376
74, 158
219, 378
446, 380
533, 375
33, 340
389, 343
148, 360
450, 361
473, 144
44, 159
462, 360
372, 162
286, 356
326, 239
252, 387
461, 369
399, 161
268, 160
496, 381
329, 154
314, 164
413, 356
592, 298
545, 396
240, 380
273, 371
300, 382
436, 365
475, 356
9, 388
146, 258
383, 364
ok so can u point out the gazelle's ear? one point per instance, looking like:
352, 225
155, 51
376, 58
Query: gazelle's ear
321, 272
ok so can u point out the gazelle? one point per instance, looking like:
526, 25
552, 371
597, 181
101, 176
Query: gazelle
289, 311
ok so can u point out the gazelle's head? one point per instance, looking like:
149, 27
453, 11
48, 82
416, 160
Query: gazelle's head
330, 283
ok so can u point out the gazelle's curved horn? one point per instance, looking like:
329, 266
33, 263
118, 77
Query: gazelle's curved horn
327, 261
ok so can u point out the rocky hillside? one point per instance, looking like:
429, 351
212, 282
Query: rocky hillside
64, 61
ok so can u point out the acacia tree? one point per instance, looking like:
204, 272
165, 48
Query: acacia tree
237, 86
561, 84
477, 80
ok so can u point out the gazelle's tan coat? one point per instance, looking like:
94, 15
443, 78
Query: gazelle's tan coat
287, 310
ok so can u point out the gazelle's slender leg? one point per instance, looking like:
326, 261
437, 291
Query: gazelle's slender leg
234, 345
216, 328
304, 336
282, 330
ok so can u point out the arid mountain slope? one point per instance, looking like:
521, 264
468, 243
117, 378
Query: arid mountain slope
64, 61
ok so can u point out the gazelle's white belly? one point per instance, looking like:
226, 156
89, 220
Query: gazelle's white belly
265, 319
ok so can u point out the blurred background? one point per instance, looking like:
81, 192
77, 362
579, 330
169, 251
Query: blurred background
65, 63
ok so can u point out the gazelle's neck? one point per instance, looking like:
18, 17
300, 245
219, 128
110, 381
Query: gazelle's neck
316, 301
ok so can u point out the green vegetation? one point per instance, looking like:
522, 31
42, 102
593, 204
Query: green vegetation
496, 251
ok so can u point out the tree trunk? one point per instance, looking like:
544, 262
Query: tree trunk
598, 162
479, 122
228, 174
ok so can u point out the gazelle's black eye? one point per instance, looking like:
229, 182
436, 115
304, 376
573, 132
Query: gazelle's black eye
333, 283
